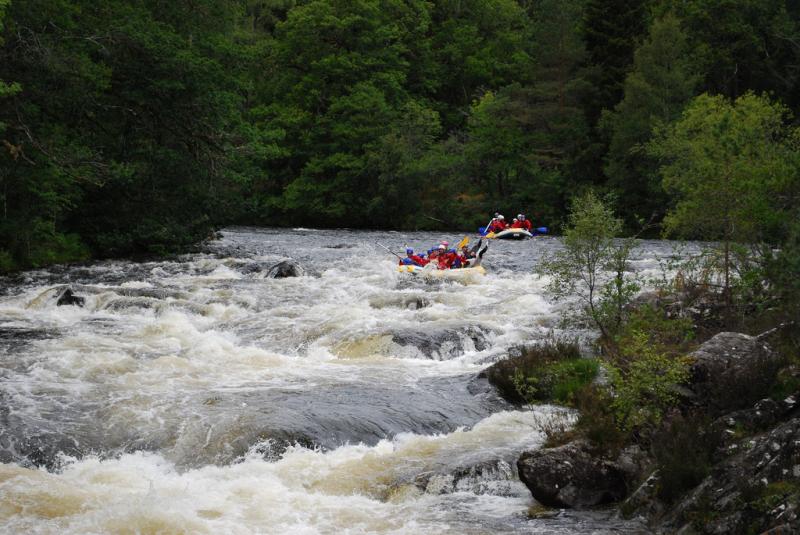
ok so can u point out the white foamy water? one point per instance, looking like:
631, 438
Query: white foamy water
198, 395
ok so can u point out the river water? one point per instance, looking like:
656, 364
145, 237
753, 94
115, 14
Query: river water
197, 395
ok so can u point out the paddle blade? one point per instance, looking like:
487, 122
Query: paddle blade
462, 243
541, 230
482, 231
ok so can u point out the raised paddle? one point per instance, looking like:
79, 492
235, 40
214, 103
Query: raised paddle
389, 250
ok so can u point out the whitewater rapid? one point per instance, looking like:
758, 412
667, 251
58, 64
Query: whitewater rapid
196, 395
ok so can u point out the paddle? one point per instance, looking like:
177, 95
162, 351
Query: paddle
541, 230
389, 250
462, 243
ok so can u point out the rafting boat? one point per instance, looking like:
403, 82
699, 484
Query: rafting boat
510, 234
430, 271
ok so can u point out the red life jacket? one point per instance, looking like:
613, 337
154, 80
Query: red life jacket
527, 225
497, 226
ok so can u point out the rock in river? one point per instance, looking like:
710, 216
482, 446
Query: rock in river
66, 297
571, 476
287, 268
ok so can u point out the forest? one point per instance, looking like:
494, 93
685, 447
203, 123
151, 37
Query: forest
137, 127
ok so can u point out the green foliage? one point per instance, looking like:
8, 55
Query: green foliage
744, 48
592, 250
140, 126
684, 449
774, 494
781, 269
596, 420
731, 167
727, 163
557, 381
655, 92
644, 380
611, 31
6, 262
536, 372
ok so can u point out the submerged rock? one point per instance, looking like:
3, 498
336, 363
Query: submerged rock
68, 298
287, 268
445, 343
571, 476
497, 478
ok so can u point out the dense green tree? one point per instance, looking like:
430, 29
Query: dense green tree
745, 45
138, 126
125, 127
730, 166
477, 45
611, 29
661, 83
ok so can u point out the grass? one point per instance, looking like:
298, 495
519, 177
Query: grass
550, 372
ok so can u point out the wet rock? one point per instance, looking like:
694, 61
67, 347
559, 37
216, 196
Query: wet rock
497, 478
444, 343
68, 298
571, 476
287, 268
731, 371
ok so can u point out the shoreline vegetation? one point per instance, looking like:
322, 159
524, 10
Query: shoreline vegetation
688, 413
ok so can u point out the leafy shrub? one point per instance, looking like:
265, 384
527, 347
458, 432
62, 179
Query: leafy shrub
644, 388
593, 265
597, 422
683, 448
538, 372
557, 381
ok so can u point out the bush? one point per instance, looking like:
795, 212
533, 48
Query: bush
557, 381
593, 265
551, 371
683, 449
597, 422
644, 387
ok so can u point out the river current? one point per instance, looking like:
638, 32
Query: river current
197, 395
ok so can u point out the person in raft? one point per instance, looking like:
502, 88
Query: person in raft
447, 258
523, 223
413, 259
498, 224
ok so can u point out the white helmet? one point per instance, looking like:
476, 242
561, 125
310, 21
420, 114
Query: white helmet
500, 217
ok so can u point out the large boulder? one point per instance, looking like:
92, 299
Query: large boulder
731, 371
287, 268
571, 476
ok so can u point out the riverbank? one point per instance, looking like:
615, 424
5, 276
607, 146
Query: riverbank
724, 458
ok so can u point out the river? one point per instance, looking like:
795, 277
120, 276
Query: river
197, 395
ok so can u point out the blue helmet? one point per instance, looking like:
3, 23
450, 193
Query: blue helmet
409, 250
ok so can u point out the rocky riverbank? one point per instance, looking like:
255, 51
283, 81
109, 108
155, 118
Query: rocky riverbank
724, 460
